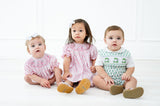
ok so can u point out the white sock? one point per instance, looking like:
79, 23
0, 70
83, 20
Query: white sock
65, 84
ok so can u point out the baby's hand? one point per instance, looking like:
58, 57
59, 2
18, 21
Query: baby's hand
45, 83
66, 75
126, 77
109, 81
93, 69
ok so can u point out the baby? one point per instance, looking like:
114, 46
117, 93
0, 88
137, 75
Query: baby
115, 66
41, 69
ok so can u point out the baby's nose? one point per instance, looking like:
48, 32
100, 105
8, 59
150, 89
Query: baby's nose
37, 46
114, 39
77, 32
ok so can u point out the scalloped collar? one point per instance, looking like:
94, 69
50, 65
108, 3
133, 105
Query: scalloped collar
119, 51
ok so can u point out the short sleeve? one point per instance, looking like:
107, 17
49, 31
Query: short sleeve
66, 51
130, 62
28, 69
54, 63
99, 60
94, 53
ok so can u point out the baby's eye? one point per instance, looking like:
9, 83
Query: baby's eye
118, 38
110, 38
32, 45
40, 44
74, 30
80, 30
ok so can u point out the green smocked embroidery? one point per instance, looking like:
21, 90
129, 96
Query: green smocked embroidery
115, 64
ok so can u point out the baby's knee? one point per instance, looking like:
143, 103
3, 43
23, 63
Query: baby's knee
95, 78
27, 79
58, 71
134, 79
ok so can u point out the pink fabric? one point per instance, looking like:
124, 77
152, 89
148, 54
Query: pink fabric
42, 67
81, 60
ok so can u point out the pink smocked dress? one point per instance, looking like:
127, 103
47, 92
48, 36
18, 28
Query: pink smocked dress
81, 60
42, 67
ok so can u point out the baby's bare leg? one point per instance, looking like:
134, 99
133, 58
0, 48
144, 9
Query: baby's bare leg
52, 80
131, 91
58, 73
100, 83
29, 80
132, 83
69, 82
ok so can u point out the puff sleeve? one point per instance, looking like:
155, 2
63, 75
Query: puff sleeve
66, 51
54, 63
130, 62
28, 69
93, 52
99, 60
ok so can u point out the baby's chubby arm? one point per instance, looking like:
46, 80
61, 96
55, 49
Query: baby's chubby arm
58, 73
101, 72
127, 75
41, 81
66, 64
93, 68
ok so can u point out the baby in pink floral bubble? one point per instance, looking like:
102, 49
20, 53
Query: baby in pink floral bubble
79, 56
41, 69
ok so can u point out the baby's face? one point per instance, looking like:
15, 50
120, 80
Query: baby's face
78, 32
36, 47
114, 40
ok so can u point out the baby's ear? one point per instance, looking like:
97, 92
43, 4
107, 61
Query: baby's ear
123, 40
105, 40
28, 50
45, 47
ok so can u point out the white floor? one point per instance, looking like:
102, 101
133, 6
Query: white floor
14, 91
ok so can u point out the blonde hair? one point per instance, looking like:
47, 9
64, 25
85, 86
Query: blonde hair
32, 38
113, 27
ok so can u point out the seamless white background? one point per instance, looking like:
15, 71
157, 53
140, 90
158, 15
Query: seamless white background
51, 19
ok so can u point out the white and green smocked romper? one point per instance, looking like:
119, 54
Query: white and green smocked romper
115, 63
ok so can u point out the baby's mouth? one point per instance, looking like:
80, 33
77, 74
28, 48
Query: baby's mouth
77, 37
114, 44
37, 51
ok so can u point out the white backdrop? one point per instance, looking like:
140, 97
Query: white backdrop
51, 19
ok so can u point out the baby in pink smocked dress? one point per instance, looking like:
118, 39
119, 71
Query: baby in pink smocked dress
79, 58
41, 68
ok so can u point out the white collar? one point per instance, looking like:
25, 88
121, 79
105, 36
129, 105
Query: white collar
118, 51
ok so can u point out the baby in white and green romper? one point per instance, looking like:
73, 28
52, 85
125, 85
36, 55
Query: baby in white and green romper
115, 63
115, 66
